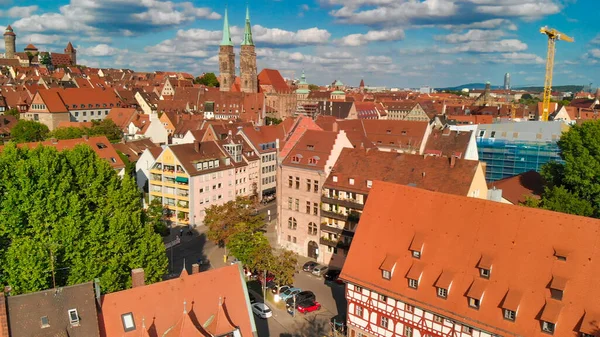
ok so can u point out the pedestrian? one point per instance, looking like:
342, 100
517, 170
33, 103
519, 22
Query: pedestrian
181, 232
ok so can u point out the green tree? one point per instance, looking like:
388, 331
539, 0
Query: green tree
284, 266
70, 132
29, 131
13, 112
313, 87
66, 218
208, 79
129, 166
108, 128
273, 121
154, 216
574, 187
245, 243
45, 59
227, 219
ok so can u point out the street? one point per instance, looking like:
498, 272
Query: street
196, 247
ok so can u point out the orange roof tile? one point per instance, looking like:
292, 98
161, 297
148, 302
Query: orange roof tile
312, 150
517, 188
459, 230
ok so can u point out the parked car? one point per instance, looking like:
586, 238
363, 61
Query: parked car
261, 310
309, 266
270, 277
308, 306
234, 261
276, 290
332, 275
252, 298
289, 293
319, 270
301, 297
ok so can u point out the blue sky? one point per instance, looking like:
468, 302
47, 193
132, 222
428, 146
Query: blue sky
394, 43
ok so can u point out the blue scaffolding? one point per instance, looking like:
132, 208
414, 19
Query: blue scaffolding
508, 158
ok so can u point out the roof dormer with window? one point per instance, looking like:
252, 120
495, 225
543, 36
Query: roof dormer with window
387, 266
485, 266
416, 246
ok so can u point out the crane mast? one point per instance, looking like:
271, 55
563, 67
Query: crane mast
553, 36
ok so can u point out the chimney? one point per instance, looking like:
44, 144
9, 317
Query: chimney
452, 161
3, 317
197, 146
137, 278
195, 268
334, 127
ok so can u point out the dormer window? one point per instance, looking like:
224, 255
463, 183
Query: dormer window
560, 254
313, 161
45, 322
509, 315
442, 292
310, 147
485, 266
387, 266
414, 275
351, 181
335, 179
550, 315
443, 284
416, 246
557, 287
369, 183
475, 293
548, 327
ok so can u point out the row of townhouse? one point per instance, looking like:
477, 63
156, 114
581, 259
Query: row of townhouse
324, 182
53, 106
425, 263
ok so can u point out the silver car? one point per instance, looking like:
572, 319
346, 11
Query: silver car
319, 270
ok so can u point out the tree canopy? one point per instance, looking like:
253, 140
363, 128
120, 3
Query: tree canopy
45, 59
574, 187
208, 79
13, 112
106, 127
66, 218
29, 131
232, 217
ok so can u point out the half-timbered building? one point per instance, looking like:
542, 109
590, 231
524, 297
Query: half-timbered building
424, 263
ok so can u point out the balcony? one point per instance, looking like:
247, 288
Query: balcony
334, 243
156, 177
348, 203
353, 217
183, 193
337, 230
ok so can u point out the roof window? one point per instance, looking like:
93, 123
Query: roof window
295, 159
128, 322
73, 317
45, 322
443, 284
335, 180
310, 147
351, 181
369, 183
414, 275
313, 161
475, 293
101, 145
550, 315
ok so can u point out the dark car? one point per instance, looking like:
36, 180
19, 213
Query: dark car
252, 298
332, 275
302, 296
276, 290
309, 266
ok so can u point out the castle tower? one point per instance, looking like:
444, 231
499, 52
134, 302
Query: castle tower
248, 74
226, 58
9, 43
71, 52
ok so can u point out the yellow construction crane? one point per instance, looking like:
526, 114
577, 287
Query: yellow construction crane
553, 35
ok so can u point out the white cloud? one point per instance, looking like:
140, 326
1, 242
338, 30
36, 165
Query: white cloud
42, 38
19, 11
371, 36
277, 36
98, 50
527, 8
394, 11
379, 59
502, 46
596, 40
486, 24
472, 35
523, 58
595, 53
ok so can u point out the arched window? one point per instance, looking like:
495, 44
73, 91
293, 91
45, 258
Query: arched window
292, 224
312, 228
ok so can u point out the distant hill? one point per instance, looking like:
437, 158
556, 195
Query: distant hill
470, 86
480, 86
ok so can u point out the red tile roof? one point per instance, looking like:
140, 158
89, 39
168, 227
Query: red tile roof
99, 144
448, 143
162, 305
273, 78
312, 150
515, 189
519, 243
430, 173
122, 116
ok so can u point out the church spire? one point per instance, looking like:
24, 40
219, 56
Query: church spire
248, 30
226, 41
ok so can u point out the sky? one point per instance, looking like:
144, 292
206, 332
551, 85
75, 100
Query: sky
393, 43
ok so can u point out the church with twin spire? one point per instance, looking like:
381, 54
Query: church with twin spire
248, 73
